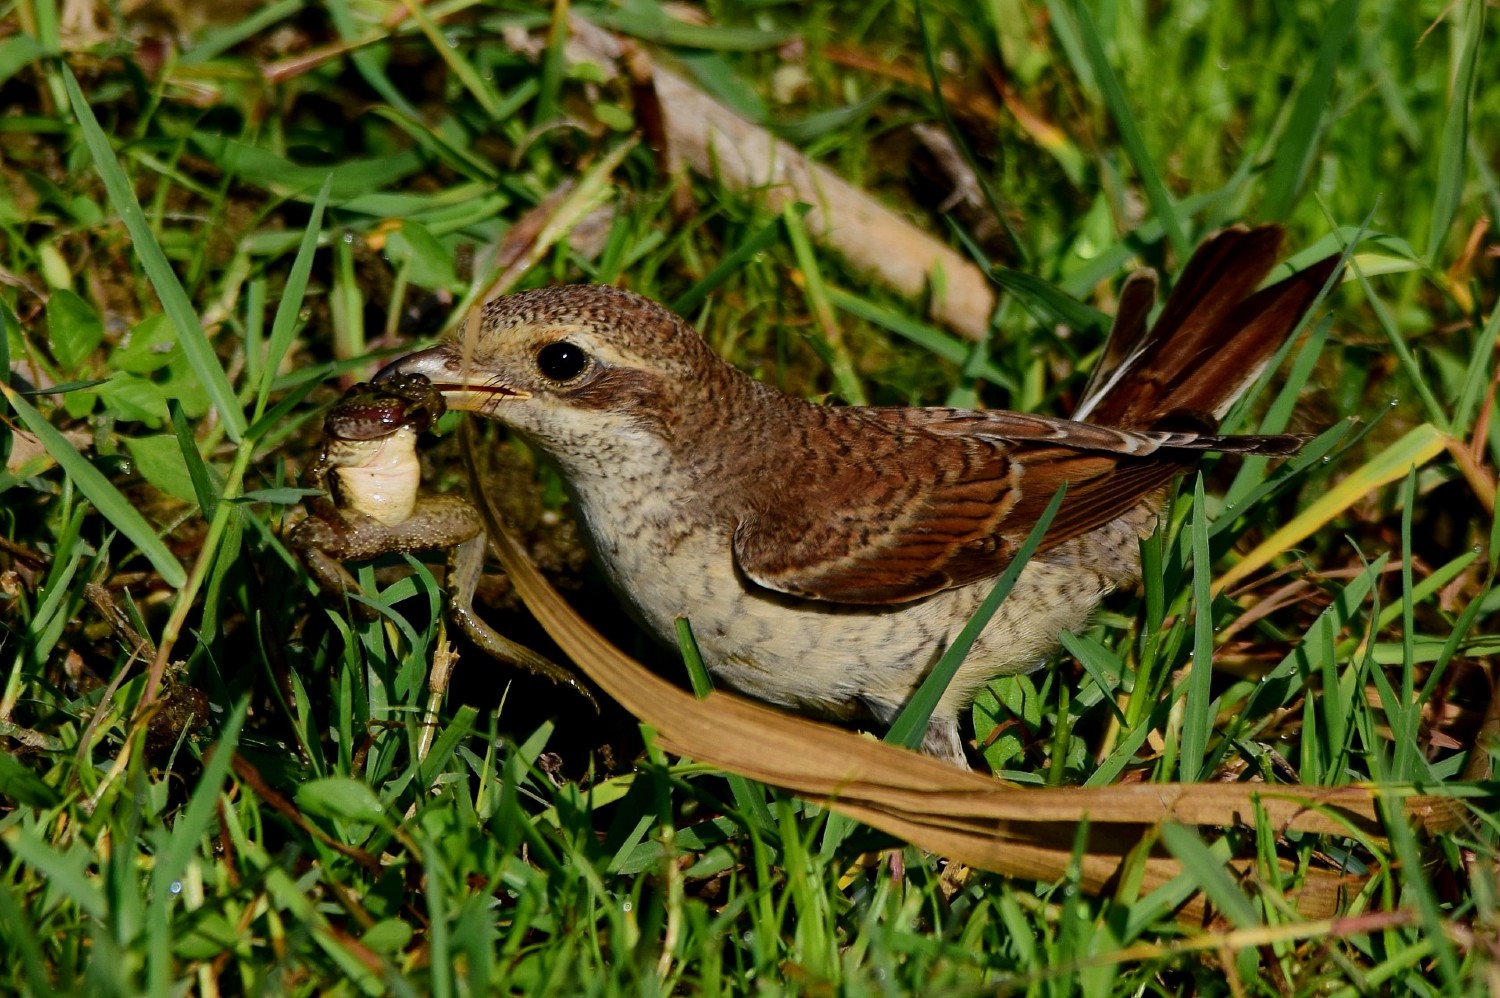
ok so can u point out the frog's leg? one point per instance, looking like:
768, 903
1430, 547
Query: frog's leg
465, 563
329, 536
320, 543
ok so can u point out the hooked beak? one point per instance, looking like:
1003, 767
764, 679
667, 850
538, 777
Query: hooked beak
464, 387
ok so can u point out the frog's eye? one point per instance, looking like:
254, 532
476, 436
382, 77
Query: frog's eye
561, 361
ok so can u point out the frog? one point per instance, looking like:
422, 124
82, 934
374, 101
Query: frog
370, 503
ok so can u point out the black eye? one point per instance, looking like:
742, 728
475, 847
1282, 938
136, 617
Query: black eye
561, 361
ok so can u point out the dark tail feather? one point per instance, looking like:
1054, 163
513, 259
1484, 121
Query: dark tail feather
1212, 340
1137, 299
1268, 445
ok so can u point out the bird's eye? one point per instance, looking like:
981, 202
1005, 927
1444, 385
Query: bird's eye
561, 361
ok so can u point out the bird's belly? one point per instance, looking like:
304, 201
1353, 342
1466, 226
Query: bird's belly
839, 659
843, 660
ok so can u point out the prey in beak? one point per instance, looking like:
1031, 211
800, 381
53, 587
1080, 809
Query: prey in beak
463, 385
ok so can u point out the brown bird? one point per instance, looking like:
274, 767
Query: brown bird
826, 556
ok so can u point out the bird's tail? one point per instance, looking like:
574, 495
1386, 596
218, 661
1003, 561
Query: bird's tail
1214, 337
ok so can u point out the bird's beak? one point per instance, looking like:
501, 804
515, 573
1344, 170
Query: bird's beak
464, 386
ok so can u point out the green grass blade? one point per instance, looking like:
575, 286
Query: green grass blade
1205, 864
1453, 146
1319, 450
1488, 182
195, 345
911, 724
221, 39
450, 149
1286, 680
1416, 447
52, 615
21, 940
368, 59
1475, 375
553, 66
1065, 29
7, 321
650, 21
1299, 143
934, 77
1436, 414
1130, 133
1103, 666
203, 486
1198, 712
1105, 265
352, 178
108, 500
1406, 742
698, 677
1056, 303
289, 308
463, 71
182, 847
1278, 417
758, 242
442, 970
193, 822
1419, 888
747, 796
832, 344
933, 340
1329, 717
64, 870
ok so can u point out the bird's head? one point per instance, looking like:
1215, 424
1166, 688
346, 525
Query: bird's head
567, 366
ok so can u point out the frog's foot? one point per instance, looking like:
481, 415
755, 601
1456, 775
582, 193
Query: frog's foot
464, 567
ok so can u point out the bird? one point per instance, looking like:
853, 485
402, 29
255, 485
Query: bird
825, 556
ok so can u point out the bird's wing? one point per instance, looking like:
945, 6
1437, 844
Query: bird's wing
944, 497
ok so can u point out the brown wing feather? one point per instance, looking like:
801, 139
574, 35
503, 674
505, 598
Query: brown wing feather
950, 506
861, 537
959, 490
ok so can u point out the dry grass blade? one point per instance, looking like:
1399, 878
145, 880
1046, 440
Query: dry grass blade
966, 816
716, 142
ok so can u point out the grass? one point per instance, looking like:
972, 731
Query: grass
199, 234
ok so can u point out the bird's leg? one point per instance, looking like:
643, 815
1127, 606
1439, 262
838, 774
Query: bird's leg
942, 741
